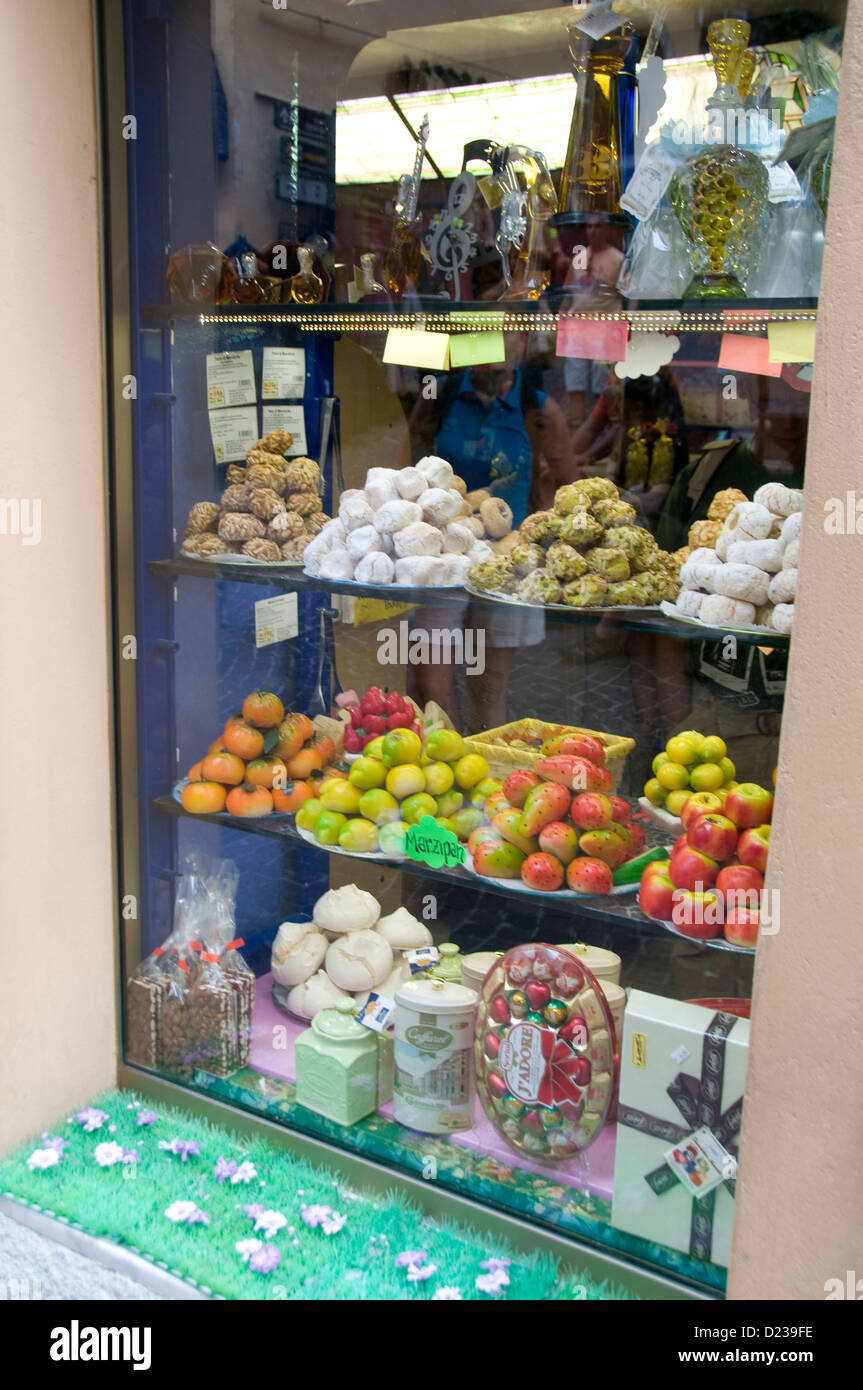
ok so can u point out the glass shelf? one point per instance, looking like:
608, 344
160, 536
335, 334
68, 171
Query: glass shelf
739, 316
651, 620
609, 910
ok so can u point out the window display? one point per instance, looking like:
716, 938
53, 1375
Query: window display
466, 482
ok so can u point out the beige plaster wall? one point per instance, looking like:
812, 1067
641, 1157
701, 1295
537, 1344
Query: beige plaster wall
56, 889
799, 1216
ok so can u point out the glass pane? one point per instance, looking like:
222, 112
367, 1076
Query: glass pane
472, 361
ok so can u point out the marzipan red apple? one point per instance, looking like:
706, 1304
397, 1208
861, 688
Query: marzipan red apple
656, 895
748, 805
700, 804
741, 926
688, 868
753, 846
713, 834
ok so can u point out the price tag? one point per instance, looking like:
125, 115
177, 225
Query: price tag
230, 379
783, 184
411, 347
700, 1162
284, 374
679, 1055
649, 182
747, 352
602, 340
376, 1012
471, 349
599, 19
233, 432
276, 620
430, 843
287, 417
423, 958
792, 342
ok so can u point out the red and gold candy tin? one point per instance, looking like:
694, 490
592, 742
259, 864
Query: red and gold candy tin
546, 1055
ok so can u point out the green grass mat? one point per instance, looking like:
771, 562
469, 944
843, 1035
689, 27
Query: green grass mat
318, 1238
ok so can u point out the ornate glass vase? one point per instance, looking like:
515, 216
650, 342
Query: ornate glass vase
591, 184
720, 195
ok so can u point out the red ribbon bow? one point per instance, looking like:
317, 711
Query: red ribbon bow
557, 1085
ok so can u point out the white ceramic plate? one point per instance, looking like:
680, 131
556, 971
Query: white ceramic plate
671, 611
349, 853
384, 589
516, 885
718, 943
664, 819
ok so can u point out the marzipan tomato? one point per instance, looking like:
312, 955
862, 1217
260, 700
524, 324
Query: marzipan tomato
240, 738
195, 774
223, 766
324, 745
262, 772
291, 799
249, 801
291, 737
304, 763
263, 709
203, 798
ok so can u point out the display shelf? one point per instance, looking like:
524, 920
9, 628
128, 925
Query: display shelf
687, 316
609, 910
651, 620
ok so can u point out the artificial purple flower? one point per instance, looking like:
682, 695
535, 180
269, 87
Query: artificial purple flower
54, 1141
186, 1213
491, 1283
43, 1158
417, 1274
183, 1148
317, 1214
245, 1173
106, 1155
245, 1248
146, 1117
91, 1119
225, 1168
495, 1265
446, 1293
410, 1257
131, 1156
254, 1209
270, 1222
263, 1261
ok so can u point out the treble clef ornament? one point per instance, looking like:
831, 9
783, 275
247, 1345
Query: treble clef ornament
449, 244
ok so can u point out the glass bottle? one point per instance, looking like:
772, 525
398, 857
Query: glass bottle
247, 286
591, 184
532, 273
306, 286
367, 285
720, 195
403, 260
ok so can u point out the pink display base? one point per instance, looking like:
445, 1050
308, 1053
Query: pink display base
592, 1174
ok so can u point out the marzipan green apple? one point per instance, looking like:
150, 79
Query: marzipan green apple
444, 745
379, 805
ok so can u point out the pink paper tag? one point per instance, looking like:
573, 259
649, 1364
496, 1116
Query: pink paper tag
744, 352
601, 339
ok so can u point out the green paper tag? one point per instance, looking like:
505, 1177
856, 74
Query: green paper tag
471, 349
430, 843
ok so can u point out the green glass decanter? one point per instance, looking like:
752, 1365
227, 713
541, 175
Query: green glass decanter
720, 195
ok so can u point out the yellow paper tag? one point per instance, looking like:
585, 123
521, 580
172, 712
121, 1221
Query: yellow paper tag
414, 347
639, 1050
470, 349
372, 610
791, 342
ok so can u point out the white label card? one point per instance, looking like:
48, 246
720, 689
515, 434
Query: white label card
423, 958
376, 1012
649, 182
276, 620
230, 379
701, 1162
287, 417
783, 184
284, 374
599, 19
233, 432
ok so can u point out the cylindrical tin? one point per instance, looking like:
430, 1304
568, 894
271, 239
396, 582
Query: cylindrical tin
433, 1087
602, 964
476, 966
